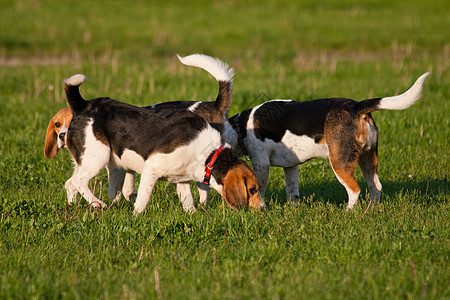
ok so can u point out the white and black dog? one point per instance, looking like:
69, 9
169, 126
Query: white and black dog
172, 143
286, 133
119, 183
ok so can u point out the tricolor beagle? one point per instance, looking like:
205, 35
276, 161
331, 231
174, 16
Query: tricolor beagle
170, 143
286, 133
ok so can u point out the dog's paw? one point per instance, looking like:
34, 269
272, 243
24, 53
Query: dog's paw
190, 209
98, 204
131, 198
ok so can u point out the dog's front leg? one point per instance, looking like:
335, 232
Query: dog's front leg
71, 191
81, 183
291, 176
185, 195
262, 173
203, 191
148, 180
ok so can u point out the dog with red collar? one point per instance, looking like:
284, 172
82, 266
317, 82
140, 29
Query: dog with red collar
161, 143
286, 133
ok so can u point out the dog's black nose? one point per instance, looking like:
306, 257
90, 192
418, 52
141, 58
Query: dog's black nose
62, 135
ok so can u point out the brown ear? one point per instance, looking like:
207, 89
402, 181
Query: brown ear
235, 190
51, 141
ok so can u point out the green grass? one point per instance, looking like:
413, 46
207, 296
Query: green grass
286, 49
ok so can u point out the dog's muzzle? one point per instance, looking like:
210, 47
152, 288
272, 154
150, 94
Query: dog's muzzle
61, 139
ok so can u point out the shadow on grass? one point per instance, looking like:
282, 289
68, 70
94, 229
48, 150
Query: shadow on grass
332, 192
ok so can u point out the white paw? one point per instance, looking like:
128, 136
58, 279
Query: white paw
190, 209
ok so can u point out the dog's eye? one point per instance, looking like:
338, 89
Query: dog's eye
57, 124
252, 191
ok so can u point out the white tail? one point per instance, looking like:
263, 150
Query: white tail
75, 80
218, 69
406, 99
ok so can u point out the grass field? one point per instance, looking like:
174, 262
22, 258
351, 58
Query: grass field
279, 49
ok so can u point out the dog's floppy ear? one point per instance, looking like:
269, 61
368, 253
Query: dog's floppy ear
240, 188
235, 190
51, 141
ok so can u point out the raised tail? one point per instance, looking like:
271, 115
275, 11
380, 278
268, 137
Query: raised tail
74, 99
220, 71
399, 102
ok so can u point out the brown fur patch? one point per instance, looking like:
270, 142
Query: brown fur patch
362, 132
210, 113
323, 141
345, 173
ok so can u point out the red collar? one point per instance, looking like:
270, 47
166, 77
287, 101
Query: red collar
210, 165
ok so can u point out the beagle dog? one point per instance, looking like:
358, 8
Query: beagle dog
286, 133
120, 182
176, 144
55, 137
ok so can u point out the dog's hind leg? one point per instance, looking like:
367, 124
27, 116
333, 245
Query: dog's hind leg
291, 176
128, 186
185, 195
343, 135
368, 162
345, 177
344, 161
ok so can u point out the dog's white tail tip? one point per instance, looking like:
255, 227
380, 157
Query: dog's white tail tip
75, 80
214, 66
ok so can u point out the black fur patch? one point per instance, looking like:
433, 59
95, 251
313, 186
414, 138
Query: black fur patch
208, 110
74, 135
367, 106
274, 118
239, 124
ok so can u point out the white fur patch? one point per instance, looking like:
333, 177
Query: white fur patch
129, 160
96, 155
194, 106
406, 99
294, 150
62, 143
218, 69
75, 80
186, 162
